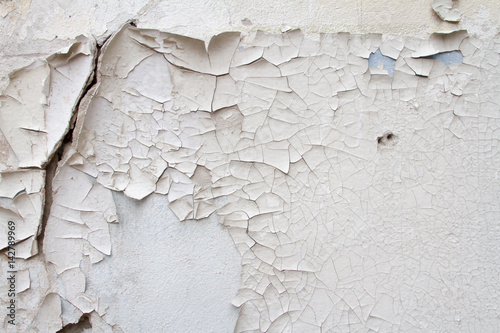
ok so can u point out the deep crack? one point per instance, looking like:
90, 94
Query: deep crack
51, 166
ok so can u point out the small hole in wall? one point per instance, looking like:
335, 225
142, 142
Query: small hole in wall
246, 22
386, 138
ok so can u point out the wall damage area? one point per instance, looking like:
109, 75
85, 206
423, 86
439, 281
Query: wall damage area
356, 174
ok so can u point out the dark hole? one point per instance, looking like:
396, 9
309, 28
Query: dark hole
83, 323
389, 136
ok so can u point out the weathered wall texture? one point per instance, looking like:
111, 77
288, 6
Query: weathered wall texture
356, 173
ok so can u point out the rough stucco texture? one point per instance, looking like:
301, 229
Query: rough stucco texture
358, 199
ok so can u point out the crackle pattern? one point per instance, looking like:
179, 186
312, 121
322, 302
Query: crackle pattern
358, 200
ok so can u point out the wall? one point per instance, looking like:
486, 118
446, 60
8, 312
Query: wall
352, 165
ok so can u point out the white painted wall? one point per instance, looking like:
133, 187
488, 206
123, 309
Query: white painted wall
165, 275
168, 276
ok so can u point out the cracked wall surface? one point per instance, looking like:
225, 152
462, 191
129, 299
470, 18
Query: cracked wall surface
356, 173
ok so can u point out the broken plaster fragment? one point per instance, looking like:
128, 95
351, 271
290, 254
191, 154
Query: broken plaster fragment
25, 97
23, 278
421, 67
36, 110
48, 318
38, 104
78, 221
192, 54
440, 42
446, 10
192, 90
21, 201
392, 48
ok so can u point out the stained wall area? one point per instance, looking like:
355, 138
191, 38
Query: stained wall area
321, 178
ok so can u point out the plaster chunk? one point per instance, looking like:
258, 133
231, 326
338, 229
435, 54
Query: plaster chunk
48, 318
80, 214
446, 10
21, 201
440, 42
43, 97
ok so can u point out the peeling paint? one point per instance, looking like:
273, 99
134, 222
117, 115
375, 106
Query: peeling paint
446, 10
357, 175
35, 114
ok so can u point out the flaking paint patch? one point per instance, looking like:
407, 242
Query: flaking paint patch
447, 10
36, 110
357, 201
